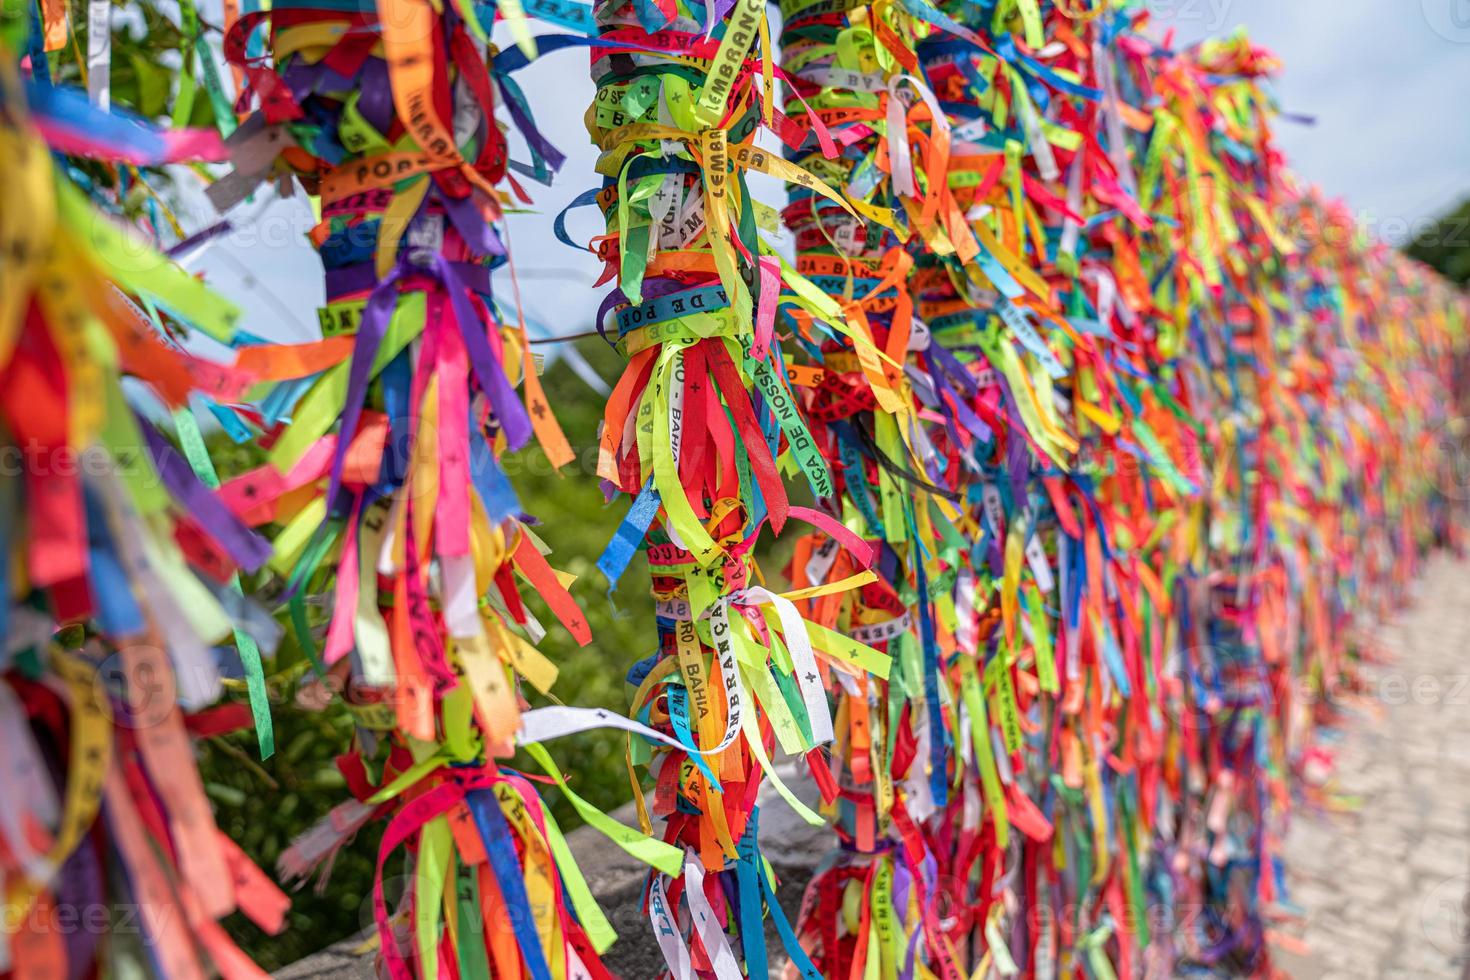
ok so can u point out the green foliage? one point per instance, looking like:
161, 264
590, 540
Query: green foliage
1445, 245
148, 48
263, 805
142, 30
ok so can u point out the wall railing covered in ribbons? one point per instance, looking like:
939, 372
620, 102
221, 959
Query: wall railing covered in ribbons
1092, 447
1062, 347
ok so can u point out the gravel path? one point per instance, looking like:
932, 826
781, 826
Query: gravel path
1383, 883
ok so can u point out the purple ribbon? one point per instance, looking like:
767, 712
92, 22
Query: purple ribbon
79, 886
508, 410
554, 158
376, 101
903, 881
375, 318
362, 276
474, 229
652, 289
199, 238
457, 279
247, 548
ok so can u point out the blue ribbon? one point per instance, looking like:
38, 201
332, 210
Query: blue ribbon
495, 491
501, 849
117, 613
938, 773
620, 550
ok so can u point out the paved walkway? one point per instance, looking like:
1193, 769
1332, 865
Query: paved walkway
1381, 870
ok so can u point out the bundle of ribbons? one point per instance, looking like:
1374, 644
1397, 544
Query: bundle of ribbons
1098, 425
699, 430
406, 557
120, 567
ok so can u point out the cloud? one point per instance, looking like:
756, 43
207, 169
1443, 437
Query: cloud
1380, 79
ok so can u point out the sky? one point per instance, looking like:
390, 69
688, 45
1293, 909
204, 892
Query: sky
1384, 81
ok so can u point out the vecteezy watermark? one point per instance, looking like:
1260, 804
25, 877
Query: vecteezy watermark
43, 461
143, 685
1209, 15
140, 681
1444, 915
1217, 688
949, 899
1395, 230
83, 918
490, 918
1449, 458
1450, 19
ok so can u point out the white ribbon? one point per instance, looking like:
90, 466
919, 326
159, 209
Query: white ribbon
25, 787
716, 946
803, 660
666, 931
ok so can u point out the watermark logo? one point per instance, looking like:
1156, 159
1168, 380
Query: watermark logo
1207, 16
1444, 916
1340, 229
1450, 458
141, 682
1450, 19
